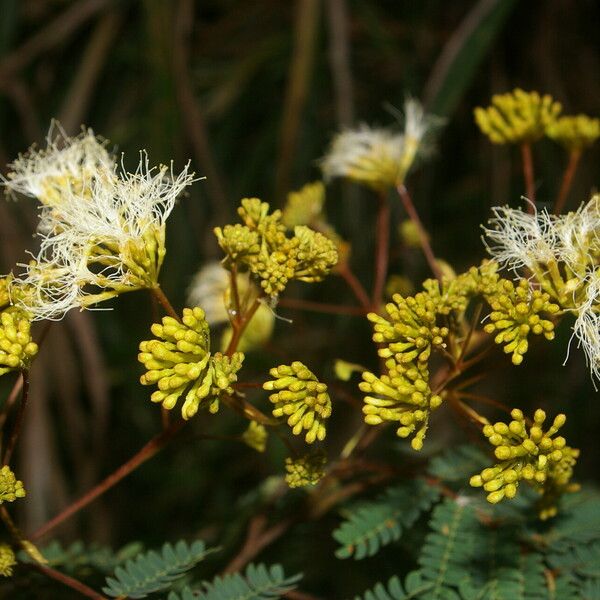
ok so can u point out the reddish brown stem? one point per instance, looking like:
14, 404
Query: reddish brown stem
414, 217
146, 452
355, 285
74, 584
334, 309
382, 249
567, 180
527, 157
16, 430
10, 401
238, 327
164, 302
257, 538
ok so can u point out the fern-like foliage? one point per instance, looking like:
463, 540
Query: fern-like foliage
413, 587
153, 572
457, 464
571, 544
373, 524
258, 583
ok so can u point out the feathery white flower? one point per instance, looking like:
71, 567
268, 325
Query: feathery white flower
562, 252
518, 239
105, 242
66, 163
380, 157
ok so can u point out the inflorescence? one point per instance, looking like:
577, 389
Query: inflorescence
528, 453
179, 361
300, 398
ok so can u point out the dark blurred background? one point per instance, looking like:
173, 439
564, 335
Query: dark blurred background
251, 91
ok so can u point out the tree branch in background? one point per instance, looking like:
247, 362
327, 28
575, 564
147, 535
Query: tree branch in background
193, 119
305, 35
75, 105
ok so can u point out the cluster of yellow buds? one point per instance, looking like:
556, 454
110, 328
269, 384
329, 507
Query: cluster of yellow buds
4, 293
16, 346
7, 560
575, 133
302, 398
180, 361
517, 117
516, 313
526, 453
304, 471
262, 246
10, 487
402, 395
411, 332
256, 436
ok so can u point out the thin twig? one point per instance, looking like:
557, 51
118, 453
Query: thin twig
16, 430
193, 119
238, 327
339, 60
77, 99
74, 584
257, 538
322, 307
306, 24
527, 157
382, 249
12, 398
164, 302
56, 32
146, 452
414, 217
567, 180
355, 285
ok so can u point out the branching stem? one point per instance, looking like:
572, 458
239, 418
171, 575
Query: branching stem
567, 180
412, 213
527, 157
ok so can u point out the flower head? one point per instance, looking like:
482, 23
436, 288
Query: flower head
179, 362
302, 398
376, 157
561, 253
65, 165
17, 348
10, 487
517, 117
7, 560
575, 133
106, 241
305, 471
526, 453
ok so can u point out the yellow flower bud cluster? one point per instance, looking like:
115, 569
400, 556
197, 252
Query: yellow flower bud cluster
411, 332
407, 340
16, 346
304, 471
302, 398
179, 362
575, 132
256, 436
517, 116
402, 395
526, 453
7, 560
262, 246
10, 487
516, 313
